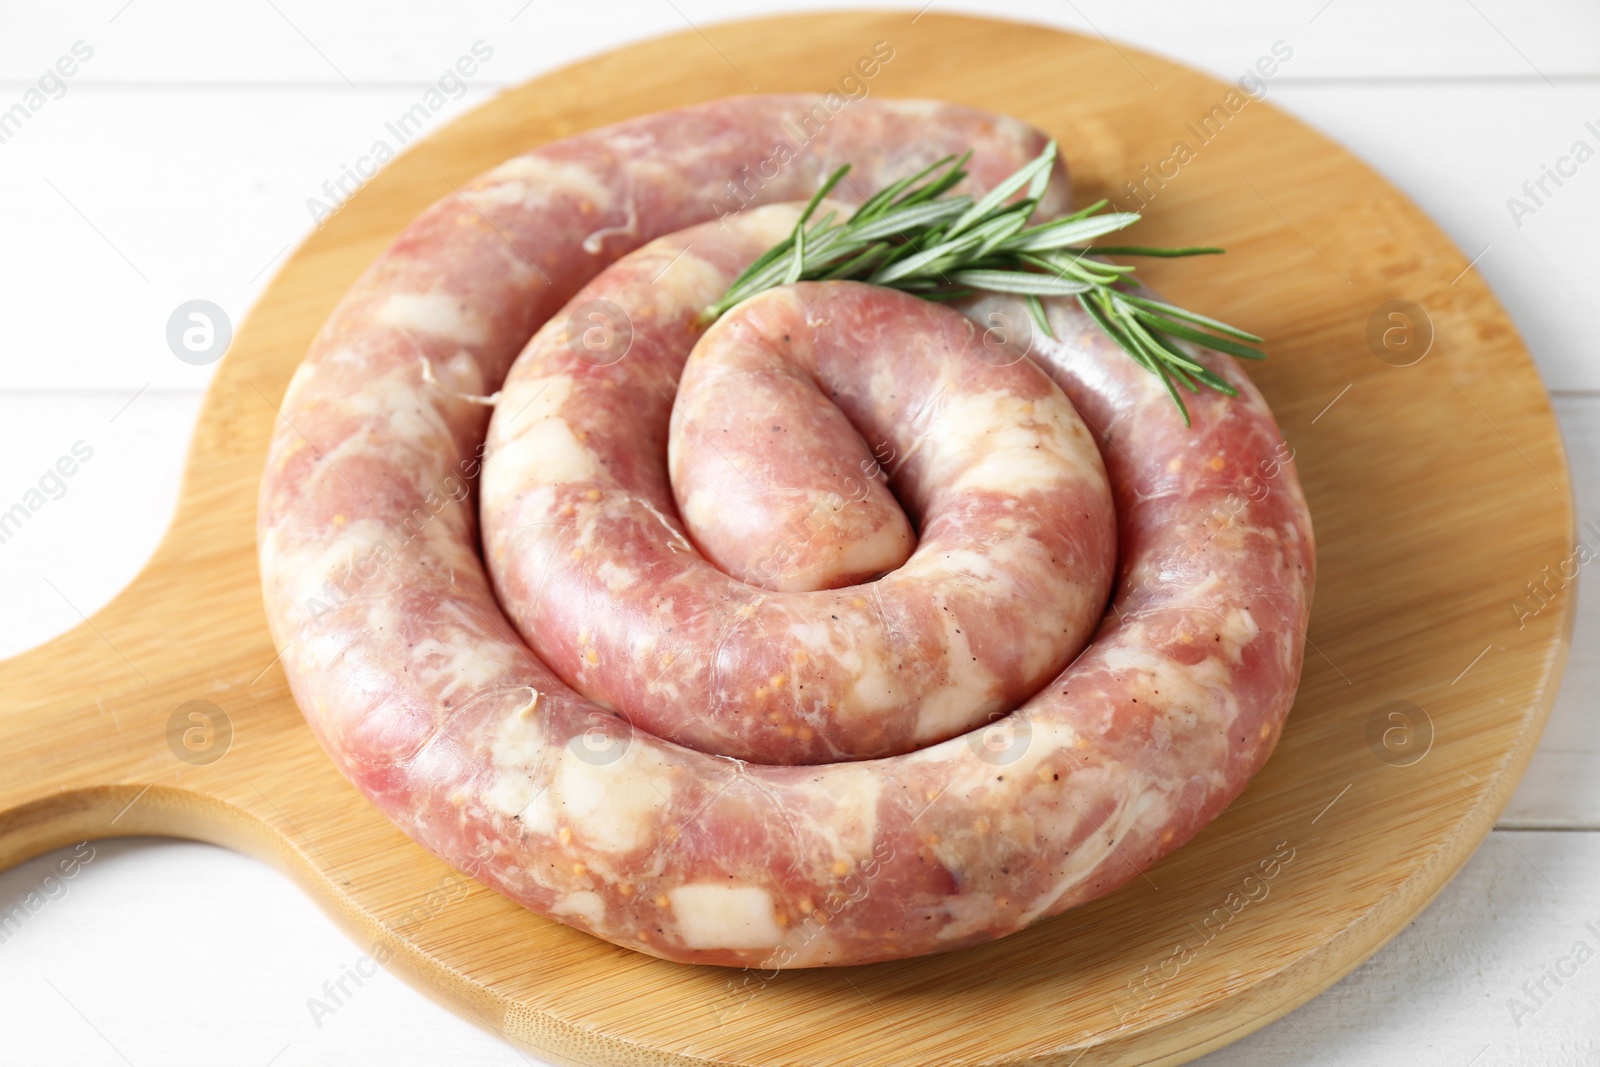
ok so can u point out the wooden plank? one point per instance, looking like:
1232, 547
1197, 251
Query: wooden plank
1451, 988
1561, 787
238, 991
85, 533
211, 192
370, 42
217, 226
226, 953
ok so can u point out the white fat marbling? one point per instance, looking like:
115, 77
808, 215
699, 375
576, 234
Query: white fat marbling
712, 916
548, 453
613, 807
584, 904
434, 315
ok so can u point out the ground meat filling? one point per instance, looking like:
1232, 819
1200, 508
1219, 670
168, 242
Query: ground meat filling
982, 741
778, 402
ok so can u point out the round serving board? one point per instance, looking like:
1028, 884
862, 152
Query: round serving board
1437, 485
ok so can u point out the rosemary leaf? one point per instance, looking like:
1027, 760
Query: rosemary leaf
1159, 253
885, 197
1114, 330
1188, 333
1065, 232
938, 186
1036, 309
823, 190
1179, 313
797, 263
1002, 192
922, 262
857, 263
899, 221
1021, 282
1085, 212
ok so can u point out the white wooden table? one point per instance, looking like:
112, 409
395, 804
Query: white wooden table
176, 163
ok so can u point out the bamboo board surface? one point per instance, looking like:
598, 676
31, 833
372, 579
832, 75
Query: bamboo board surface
1438, 489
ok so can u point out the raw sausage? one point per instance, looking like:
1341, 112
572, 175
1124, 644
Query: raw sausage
1003, 479
423, 693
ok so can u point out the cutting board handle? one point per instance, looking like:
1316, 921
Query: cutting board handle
119, 726
84, 750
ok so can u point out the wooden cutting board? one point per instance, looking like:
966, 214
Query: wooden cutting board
1437, 484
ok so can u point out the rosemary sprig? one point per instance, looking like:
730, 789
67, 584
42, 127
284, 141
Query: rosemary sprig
915, 237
